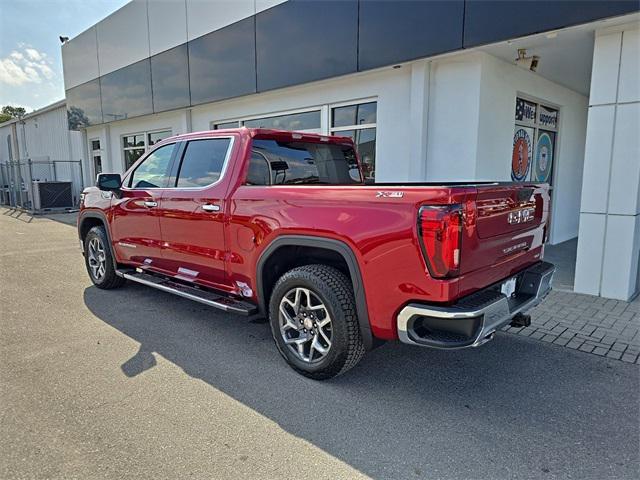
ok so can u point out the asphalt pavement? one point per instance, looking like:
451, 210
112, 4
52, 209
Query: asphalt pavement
136, 383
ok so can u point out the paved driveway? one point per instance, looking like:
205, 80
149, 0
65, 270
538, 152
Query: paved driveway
136, 383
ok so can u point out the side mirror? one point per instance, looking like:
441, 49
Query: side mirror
109, 182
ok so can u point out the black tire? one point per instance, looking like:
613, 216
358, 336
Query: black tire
335, 291
109, 280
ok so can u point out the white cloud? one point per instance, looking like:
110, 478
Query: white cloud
33, 54
25, 65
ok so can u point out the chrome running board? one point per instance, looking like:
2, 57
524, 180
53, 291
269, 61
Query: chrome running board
207, 297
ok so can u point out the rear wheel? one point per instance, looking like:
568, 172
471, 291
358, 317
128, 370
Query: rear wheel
314, 322
99, 260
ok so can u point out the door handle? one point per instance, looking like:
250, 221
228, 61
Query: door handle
150, 204
209, 207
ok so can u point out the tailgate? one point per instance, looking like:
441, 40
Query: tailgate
509, 232
508, 209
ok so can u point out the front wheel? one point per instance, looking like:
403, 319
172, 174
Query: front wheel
99, 260
314, 322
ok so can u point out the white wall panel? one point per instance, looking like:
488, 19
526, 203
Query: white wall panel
625, 162
604, 74
597, 159
452, 137
204, 16
620, 265
630, 67
80, 59
123, 37
590, 251
167, 24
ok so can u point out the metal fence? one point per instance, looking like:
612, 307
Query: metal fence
41, 185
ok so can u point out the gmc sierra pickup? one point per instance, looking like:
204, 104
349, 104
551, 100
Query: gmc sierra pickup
280, 224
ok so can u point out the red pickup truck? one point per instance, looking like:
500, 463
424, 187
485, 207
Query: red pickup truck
280, 224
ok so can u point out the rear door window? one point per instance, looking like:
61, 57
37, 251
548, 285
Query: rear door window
302, 163
203, 162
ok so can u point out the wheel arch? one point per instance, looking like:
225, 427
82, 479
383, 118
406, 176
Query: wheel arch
338, 248
89, 219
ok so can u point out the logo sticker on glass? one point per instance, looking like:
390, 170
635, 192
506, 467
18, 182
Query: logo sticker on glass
521, 155
544, 158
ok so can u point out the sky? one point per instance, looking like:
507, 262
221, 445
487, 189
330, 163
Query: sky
30, 58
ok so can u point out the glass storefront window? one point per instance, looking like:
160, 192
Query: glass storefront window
136, 144
132, 156
221, 126
358, 122
155, 137
362, 114
355, 120
304, 121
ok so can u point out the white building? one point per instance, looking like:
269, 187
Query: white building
430, 91
40, 147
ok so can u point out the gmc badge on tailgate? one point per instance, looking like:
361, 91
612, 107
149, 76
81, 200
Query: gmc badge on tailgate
523, 215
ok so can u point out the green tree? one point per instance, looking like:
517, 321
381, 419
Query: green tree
76, 118
8, 112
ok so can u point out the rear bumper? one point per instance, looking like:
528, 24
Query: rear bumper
473, 320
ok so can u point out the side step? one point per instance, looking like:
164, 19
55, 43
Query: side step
228, 304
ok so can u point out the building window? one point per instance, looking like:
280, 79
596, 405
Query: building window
299, 122
309, 121
221, 126
534, 141
136, 144
355, 120
96, 156
358, 122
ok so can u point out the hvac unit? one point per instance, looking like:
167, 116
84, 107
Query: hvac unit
52, 195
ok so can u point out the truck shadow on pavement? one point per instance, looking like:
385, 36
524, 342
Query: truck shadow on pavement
515, 407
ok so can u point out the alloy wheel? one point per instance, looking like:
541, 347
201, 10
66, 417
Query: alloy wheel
305, 324
97, 259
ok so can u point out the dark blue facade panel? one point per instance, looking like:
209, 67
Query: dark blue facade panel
222, 64
488, 21
83, 105
397, 31
126, 93
170, 79
304, 40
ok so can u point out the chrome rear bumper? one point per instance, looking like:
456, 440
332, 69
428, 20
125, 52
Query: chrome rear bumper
474, 319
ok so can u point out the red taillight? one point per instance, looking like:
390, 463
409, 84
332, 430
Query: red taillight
440, 230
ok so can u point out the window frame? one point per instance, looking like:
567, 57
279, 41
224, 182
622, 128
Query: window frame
147, 148
182, 150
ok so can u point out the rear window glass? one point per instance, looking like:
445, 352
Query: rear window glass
302, 163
